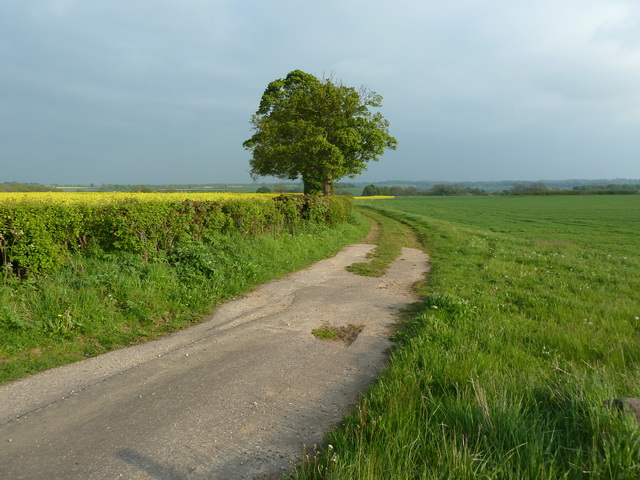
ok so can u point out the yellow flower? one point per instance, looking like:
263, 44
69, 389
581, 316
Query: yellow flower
67, 198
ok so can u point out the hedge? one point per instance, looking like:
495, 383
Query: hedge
37, 238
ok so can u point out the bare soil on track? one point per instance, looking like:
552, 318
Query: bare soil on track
237, 396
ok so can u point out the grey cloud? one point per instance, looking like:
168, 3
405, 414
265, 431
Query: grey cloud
162, 91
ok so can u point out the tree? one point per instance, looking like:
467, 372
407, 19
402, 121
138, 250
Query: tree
317, 130
533, 188
442, 189
403, 191
370, 191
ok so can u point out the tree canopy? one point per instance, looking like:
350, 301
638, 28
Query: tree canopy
317, 130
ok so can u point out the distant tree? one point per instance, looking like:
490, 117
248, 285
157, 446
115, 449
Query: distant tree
538, 187
346, 185
141, 189
442, 189
263, 190
533, 188
370, 191
317, 130
403, 191
446, 189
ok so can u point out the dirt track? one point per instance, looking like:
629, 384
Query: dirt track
231, 398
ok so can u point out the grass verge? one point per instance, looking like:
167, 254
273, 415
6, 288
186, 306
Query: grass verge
103, 301
504, 369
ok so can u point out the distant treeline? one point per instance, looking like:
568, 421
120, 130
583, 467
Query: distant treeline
36, 187
24, 187
125, 188
501, 186
402, 189
440, 189
609, 187
540, 188
534, 188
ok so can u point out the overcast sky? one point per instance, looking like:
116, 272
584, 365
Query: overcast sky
161, 91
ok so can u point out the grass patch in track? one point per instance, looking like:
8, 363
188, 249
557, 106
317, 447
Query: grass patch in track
389, 236
343, 334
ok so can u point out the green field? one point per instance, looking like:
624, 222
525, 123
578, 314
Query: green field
530, 322
608, 223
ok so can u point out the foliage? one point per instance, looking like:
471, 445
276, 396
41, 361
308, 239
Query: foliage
528, 325
318, 130
37, 237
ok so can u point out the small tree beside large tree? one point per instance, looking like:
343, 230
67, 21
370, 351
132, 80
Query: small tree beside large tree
317, 130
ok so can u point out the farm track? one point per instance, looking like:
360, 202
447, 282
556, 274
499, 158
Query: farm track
234, 397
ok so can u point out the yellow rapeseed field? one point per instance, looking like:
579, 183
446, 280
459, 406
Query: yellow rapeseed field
67, 198
375, 197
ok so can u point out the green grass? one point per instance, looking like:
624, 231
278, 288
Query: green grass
530, 322
608, 223
325, 333
389, 236
104, 301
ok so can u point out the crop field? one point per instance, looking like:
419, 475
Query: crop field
100, 198
529, 326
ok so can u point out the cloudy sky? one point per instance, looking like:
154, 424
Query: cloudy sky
161, 91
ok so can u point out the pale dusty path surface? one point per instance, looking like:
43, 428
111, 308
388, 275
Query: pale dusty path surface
230, 398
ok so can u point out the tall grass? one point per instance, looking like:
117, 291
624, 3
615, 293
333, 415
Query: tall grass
101, 301
530, 322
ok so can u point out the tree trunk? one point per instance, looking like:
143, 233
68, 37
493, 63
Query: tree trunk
328, 186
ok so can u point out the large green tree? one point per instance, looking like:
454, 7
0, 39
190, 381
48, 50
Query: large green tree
317, 130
